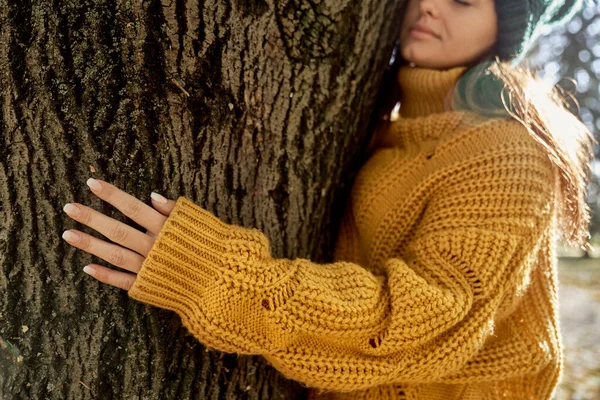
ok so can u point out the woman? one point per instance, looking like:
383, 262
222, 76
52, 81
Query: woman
445, 281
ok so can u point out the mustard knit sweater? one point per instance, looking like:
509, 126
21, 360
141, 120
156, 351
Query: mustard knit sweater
444, 285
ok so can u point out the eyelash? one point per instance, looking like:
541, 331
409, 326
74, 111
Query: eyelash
463, 3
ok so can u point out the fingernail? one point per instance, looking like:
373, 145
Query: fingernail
89, 270
70, 236
94, 185
158, 198
72, 210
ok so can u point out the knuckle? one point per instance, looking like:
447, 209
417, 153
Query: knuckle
123, 283
85, 243
85, 217
118, 233
133, 208
116, 257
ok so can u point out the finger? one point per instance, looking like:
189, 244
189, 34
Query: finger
112, 253
161, 204
118, 279
114, 230
131, 207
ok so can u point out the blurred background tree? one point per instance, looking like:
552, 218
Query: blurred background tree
573, 52
570, 56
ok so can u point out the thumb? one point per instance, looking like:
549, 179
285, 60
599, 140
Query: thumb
161, 204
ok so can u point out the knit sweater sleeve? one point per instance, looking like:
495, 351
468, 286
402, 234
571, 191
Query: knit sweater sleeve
337, 326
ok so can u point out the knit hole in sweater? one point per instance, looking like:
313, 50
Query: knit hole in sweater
374, 342
266, 304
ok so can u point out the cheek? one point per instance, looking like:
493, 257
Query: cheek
490, 37
481, 35
466, 46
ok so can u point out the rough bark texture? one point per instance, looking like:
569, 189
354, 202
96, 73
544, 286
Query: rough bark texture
253, 109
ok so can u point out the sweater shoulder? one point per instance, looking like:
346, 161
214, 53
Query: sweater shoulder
497, 143
509, 129
478, 136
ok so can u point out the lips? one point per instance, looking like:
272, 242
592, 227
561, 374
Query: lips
422, 29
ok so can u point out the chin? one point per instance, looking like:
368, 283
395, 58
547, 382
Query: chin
419, 59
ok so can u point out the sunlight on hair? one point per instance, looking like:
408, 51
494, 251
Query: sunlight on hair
543, 94
544, 110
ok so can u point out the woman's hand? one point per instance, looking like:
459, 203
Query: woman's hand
135, 245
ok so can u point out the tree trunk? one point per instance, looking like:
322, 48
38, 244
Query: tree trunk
253, 109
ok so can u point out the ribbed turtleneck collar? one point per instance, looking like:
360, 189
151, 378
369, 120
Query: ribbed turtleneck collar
423, 117
424, 90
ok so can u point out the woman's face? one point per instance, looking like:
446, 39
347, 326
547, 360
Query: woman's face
443, 34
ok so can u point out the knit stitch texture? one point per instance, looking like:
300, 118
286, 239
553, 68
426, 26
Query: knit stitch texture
444, 281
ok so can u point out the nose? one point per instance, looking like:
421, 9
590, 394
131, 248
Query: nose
428, 8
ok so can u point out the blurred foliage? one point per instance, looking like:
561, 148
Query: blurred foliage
570, 56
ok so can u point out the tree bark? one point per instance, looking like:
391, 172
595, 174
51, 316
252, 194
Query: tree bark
253, 109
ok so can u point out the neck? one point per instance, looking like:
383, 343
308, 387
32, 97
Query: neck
426, 91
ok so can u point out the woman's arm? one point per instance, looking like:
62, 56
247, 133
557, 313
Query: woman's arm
337, 326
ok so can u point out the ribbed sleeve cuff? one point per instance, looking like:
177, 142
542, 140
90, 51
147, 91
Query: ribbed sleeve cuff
193, 249
188, 253
206, 271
